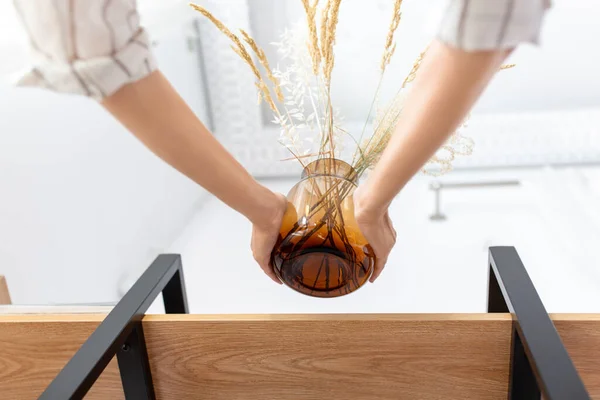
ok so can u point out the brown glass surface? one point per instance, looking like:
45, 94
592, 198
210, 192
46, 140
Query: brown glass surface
321, 251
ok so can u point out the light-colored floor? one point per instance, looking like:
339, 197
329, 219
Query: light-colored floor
552, 217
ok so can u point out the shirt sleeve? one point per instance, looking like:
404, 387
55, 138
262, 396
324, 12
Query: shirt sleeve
474, 25
84, 47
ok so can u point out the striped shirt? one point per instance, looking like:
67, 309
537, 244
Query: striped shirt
85, 47
94, 47
491, 24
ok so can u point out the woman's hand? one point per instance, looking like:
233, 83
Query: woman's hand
265, 231
376, 226
152, 110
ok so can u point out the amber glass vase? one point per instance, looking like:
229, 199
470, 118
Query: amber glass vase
320, 251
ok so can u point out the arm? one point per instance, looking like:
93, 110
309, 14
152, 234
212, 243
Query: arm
100, 50
153, 111
473, 40
448, 84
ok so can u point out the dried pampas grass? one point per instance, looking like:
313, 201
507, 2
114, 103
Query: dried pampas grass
416, 65
328, 29
262, 58
390, 45
324, 17
241, 51
313, 41
309, 78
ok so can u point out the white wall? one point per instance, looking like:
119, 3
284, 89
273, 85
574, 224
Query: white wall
82, 202
561, 73
436, 266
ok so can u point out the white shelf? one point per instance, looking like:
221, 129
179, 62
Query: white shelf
501, 140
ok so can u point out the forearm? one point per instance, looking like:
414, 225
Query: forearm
153, 111
447, 85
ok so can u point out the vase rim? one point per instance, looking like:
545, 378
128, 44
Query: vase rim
333, 159
338, 168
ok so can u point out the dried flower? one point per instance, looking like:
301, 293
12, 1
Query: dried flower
416, 65
332, 21
390, 46
303, 89
239, 47
324, 18
313, 42
241, 51
262, 58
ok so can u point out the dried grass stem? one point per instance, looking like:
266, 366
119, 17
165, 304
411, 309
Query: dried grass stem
390, 45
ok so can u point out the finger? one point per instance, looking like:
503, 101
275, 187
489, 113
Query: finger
391, 227
271, 274
264, 261
274, 277
267, 269
379, 265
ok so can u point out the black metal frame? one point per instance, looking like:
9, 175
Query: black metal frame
540, 363
121, 334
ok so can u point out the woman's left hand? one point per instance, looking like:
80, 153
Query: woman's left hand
376, 226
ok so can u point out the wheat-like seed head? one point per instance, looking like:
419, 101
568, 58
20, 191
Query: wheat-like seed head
241, 51
216, 22
262, 58
413, 72
239, 47
387, 57
390, 46
329, 62
313, 42
324, 19
507, 66
212, 19
248, 60
332, 21
266, 95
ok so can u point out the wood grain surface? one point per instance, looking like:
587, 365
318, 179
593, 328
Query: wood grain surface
33, 350
4, 293
329, 357
581, 338
289, 357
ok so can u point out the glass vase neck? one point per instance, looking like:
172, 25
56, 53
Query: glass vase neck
330, 167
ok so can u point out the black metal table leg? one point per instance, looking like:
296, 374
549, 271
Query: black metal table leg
540, 363
134, 366
121, 333
496, 302
523, 384
174, 295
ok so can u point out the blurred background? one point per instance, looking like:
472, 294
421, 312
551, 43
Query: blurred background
85, 208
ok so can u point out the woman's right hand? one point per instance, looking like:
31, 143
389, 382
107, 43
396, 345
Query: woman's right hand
265, 231
376, 226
